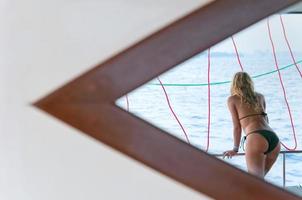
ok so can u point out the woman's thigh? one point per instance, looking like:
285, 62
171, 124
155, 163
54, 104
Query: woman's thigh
271, 158
256, 145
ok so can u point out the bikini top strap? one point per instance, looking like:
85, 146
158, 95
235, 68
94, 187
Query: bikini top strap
262, 113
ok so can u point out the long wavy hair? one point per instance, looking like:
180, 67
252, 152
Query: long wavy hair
243, 86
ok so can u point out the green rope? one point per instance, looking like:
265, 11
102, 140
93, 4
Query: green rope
224, 82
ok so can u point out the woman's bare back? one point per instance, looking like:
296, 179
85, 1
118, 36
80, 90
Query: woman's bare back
250, 119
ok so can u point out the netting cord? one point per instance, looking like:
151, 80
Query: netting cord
288, 45
222, 82
209, 100
172, 111
237, 54
283, 88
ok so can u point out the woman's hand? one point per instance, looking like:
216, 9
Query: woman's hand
229, 154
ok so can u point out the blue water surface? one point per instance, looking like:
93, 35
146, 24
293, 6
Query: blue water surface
191, 105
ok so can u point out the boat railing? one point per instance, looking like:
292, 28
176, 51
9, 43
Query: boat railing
284, 153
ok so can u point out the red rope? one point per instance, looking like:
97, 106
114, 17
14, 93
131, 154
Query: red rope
288, 45
127, 102
237, 54
171, 109
209, 99
284, 92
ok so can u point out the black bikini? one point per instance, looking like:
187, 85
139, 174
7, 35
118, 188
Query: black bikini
270, 136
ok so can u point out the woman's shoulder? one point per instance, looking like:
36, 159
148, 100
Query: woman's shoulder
233, 98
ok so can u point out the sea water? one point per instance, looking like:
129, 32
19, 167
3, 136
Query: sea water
190, 103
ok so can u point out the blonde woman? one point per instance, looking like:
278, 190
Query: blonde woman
247, 108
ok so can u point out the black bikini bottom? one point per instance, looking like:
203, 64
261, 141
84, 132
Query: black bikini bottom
270, 137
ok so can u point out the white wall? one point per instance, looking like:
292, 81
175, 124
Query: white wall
43, 44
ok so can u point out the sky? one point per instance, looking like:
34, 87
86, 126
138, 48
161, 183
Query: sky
256, 39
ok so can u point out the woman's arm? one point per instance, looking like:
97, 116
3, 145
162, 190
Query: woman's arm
264, 107
236, 128
236, 122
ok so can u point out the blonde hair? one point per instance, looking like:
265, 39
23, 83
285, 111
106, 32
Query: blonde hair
243, 86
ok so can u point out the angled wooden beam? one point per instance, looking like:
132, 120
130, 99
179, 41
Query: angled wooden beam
87, 103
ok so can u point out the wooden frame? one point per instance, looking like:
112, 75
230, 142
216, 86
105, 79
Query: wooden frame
87, 103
